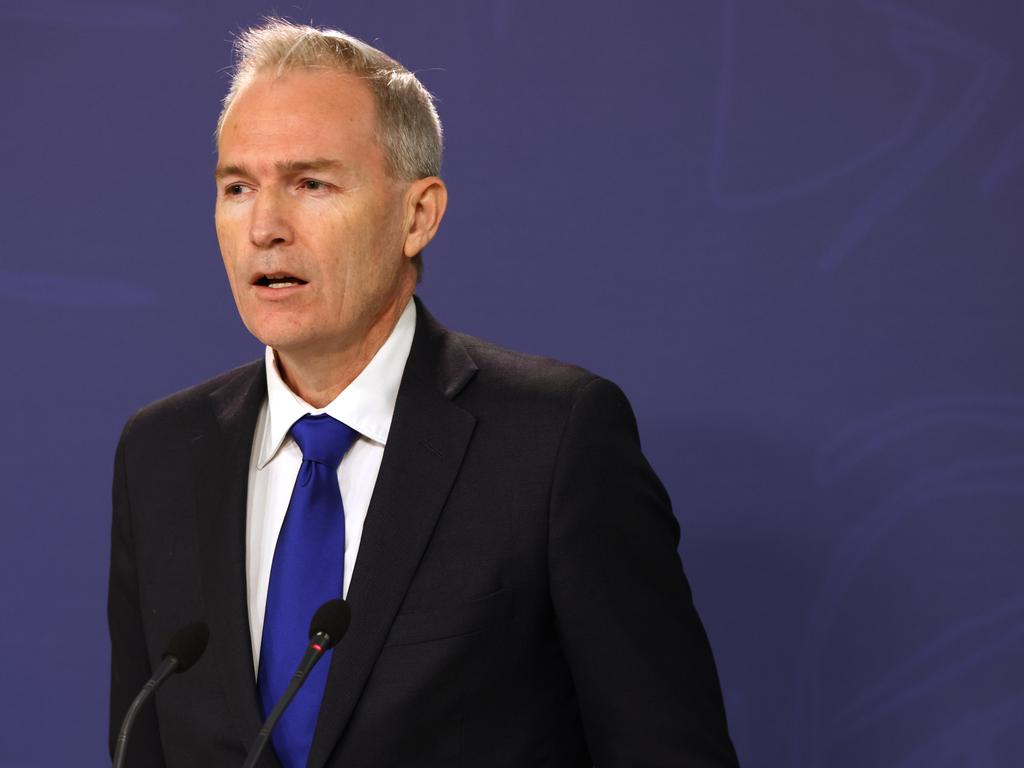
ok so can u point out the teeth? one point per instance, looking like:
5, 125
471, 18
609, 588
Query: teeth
281, 285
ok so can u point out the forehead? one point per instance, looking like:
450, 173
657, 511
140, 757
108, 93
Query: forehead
303, 112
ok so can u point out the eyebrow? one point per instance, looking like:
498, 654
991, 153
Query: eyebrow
285, 167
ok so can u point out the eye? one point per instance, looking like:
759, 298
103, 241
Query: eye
313, 185
234, 190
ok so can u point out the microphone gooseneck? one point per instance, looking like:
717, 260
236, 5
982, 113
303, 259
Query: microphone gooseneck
183, 650
328, 626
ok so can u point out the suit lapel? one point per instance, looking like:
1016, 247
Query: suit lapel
221, 457
428, 438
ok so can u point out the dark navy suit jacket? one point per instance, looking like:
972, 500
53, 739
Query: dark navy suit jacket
517, 601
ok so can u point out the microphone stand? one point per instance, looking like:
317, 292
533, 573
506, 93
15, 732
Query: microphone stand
166, 669
314, 652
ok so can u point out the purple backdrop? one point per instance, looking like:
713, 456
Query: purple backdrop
787, 230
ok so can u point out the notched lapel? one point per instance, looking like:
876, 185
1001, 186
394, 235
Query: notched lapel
221, 459
428, 439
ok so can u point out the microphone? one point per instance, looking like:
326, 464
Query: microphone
329, 624
183, 650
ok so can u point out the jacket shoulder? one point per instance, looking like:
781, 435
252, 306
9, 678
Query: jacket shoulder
192, 405
518, 386
521, 374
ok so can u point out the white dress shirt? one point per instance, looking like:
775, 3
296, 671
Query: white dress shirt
367, 406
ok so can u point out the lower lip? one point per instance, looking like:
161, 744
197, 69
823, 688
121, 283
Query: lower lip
278, 294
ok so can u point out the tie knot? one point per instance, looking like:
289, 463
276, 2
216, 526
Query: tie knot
323, 439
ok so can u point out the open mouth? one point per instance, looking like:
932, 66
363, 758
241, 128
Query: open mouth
279, 280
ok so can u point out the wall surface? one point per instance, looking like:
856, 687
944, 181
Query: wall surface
791, 232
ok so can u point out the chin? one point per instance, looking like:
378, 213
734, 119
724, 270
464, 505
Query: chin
277, 338
293, 343
282, 343
277, 331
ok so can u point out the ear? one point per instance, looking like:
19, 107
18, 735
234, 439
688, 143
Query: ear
426, 201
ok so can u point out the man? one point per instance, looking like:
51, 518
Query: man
508, 555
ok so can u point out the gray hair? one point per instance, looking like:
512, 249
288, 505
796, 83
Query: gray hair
408, 128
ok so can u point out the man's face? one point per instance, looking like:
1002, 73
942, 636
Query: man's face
310, 225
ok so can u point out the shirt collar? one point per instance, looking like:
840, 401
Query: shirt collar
367, 405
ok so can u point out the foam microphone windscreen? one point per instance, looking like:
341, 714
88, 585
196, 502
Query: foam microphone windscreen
188, 644
332, 619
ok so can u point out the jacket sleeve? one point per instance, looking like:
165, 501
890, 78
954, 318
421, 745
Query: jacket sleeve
638, 653
129, 665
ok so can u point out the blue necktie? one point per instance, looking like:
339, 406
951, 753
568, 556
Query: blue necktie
308, 570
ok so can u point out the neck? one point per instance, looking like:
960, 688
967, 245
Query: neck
319, 376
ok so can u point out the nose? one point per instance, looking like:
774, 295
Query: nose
270, 224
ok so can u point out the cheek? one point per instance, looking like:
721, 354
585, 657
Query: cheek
229, 249
231, 231
221, 224
224, 243
230, 264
